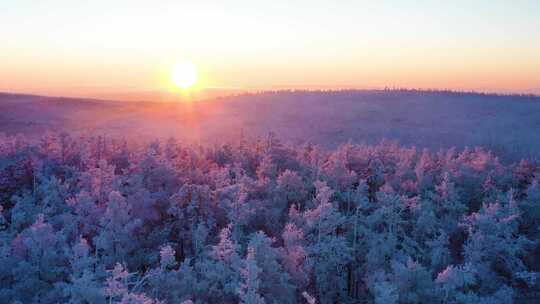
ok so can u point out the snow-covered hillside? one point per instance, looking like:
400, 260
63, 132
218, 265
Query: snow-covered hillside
508, 125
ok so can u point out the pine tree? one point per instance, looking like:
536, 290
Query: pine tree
84, 283
249, 289
115, 241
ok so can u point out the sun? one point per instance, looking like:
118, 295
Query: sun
184, 74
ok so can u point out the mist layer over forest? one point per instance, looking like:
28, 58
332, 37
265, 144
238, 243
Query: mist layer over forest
507, 125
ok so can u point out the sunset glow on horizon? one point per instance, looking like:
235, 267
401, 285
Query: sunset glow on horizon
75, 49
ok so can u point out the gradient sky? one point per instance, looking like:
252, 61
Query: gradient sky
67, 47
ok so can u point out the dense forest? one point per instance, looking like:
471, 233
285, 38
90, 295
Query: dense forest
100, 220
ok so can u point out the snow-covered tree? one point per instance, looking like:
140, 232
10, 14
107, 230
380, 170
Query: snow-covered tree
262, 223
249, 289
115, 242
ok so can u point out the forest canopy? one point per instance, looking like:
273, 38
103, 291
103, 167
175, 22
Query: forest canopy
99, 220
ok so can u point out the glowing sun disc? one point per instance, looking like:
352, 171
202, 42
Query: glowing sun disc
184, 74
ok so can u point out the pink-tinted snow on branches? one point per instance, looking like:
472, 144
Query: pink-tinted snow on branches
97, 220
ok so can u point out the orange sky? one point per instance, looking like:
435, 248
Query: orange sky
94, 49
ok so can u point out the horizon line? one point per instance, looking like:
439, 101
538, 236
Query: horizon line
260, 91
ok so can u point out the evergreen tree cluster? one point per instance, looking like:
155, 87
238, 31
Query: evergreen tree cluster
96, 220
